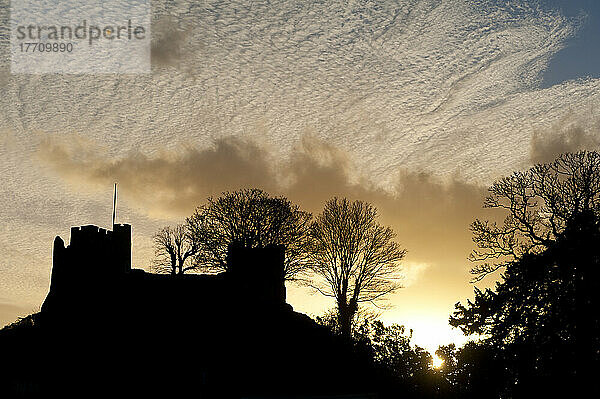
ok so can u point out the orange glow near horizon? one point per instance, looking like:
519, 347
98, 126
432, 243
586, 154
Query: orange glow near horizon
430, 328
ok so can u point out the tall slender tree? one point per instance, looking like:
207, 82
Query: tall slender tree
355, 257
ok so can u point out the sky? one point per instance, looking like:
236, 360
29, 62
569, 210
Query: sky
416, 106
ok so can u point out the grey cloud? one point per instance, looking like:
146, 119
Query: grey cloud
563, 137
430, 215
169, 184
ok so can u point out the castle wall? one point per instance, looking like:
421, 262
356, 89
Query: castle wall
94, 271
258, 272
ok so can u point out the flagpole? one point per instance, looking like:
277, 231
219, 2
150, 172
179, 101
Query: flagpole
114, 215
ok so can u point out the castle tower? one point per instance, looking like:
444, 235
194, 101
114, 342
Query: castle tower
258, 272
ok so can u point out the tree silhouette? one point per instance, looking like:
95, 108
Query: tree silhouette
250, 218
539, 204
355, 257
542, 314
392, 348
174, 248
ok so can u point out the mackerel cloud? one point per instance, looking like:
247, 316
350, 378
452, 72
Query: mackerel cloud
423, 84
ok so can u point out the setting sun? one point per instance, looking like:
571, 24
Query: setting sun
437, 362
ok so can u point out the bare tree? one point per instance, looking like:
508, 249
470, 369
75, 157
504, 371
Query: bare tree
356, 257
253, 219
539, 203
174, 248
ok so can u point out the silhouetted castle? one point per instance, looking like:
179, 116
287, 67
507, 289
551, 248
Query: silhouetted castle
106, 327
98, 261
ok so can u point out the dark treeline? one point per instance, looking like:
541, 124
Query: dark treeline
538, 328
540, 325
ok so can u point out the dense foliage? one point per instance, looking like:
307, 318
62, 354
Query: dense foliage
541, 320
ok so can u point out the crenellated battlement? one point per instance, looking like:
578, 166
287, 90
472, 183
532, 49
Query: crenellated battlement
93, 244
